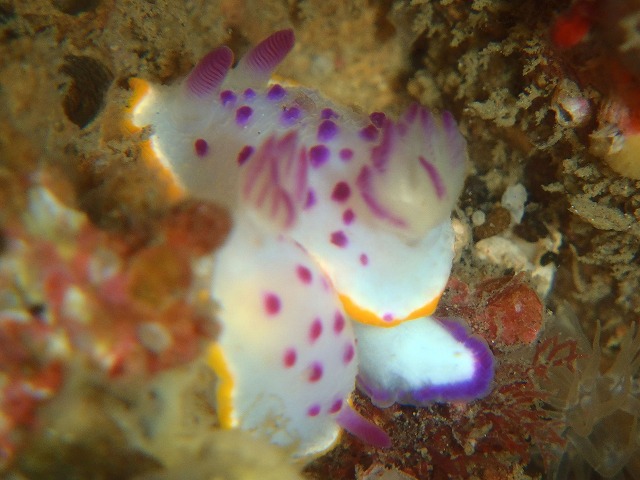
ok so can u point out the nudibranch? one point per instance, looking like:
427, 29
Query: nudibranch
341, 247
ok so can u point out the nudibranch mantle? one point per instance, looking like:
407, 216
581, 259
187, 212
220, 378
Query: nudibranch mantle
338, 217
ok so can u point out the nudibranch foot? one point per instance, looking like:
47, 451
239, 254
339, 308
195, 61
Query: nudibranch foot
423, 361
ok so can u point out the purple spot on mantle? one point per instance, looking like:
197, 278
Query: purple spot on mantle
364, 259
318, 155
432, 171
341, 192
369, 133
227, 97
289, 357
339, 239
244, 154
349, 353
327, 131
290, 115
387, 317
377, 118
243, 115
348, 216
313, 410
249, 94
201, 147
328, 113
346, 154
304, 274
272, 304
336, 406
315, 373
315, 330
276, 92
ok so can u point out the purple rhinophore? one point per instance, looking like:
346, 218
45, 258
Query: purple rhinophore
290, 115
244, 154
249, 94
341, 192
266, 56
201, 147
276, 92
339, 239
475, 387
209, 73
345, 154
243, 115
364, 184
318, 155
369, 133
327, 131
327, 114
434, 175
377, 118
367, 431
227, 97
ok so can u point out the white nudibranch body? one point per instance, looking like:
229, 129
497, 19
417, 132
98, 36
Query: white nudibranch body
341, 247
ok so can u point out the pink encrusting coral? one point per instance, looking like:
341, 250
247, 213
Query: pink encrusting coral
359, 204
74, 297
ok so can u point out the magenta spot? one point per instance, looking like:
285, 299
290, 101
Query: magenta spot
327, 113
349, 353
249, 94
369, 133
304, 274
338, 322
387, 317
318, 155
327, 131
339, 239
377, 118
244, 154
272, 303
341, 192
243, 115
227, 98
335, 406
346, 154
315, 371
364, 259
289, 116
290, 357
348, 216
313, 410
201, 147
276, 92
311, 199
315, 330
